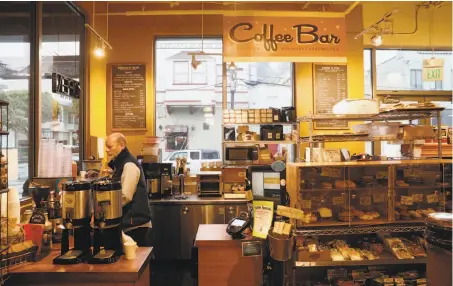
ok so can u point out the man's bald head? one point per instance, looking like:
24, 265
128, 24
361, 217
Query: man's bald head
114, 144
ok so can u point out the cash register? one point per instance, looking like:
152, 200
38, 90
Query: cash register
237, 225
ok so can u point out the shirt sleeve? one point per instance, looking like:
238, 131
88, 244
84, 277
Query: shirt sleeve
129, 181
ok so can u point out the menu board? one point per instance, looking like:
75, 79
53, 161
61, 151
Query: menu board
128, 97
330, 87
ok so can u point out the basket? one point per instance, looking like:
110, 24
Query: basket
280, 247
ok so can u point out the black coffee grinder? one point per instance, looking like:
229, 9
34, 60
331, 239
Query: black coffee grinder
76, 210
107, 239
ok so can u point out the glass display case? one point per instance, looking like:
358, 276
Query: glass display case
369, 192
421, 189
343, 195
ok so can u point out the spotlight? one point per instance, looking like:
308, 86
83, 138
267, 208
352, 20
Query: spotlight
99, 52
232, 66
376, 40
194, 63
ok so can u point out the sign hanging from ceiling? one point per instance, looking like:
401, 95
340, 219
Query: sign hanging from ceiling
252, 38
433, 69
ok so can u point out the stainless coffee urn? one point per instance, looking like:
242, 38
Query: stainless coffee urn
107, 237
76, 212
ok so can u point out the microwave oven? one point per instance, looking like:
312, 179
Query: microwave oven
237, 154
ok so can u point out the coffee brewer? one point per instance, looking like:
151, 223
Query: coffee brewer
76, 211
158, 179
107, 237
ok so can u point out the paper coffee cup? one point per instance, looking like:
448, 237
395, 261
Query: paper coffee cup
130, 249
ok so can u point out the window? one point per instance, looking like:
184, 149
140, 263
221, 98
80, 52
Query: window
195, 155
367, 76
15, 30
401, 70
438, 85
210, 155
180, 72
176, 139
61, 44
177, 155
260, 85
199, 75
416, 79
188, 100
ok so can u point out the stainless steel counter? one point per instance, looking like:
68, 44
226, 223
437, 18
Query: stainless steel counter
196, 200
175, 222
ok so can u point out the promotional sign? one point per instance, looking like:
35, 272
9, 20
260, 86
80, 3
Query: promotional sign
433, 69
293, 39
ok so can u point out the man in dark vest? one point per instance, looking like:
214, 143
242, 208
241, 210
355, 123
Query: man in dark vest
136, 221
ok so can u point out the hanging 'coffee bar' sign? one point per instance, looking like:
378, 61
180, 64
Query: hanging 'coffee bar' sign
292, 39
128, 101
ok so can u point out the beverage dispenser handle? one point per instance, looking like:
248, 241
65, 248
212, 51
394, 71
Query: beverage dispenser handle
64, 241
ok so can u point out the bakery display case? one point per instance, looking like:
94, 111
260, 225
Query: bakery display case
343, 195
421, 189
364, 221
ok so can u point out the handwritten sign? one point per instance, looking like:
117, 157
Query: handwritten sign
379, 197
417, 198
330, 84
128, 97
294, 39
338, 201
407, 200
434, 198
365, 200
305, 204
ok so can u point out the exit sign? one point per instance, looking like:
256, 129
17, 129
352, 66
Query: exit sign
433, 69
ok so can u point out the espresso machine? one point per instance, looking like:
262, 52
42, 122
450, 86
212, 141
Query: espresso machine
158, 179
76, 212
107, 235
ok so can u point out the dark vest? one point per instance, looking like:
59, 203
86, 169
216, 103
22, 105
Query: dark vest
137, 211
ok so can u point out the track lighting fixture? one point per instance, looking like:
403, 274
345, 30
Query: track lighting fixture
232, 66
195, 63
376, 40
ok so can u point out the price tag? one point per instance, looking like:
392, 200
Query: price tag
406, 200
325, 172
379, 197
338, 201
381, 175
365, 200
434, 198
421, 281
305, 204
335, 172
337, 273
417, 198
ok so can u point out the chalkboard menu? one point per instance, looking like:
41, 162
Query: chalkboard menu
128, 97
330, 87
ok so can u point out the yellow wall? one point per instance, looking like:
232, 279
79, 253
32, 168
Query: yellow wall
304, 85
434, 22
133, 38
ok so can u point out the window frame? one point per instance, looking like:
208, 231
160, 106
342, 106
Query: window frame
404, 95
35, 90
377, 92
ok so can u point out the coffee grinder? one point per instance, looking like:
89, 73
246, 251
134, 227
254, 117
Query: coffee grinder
158, 179
76, 211
107, 237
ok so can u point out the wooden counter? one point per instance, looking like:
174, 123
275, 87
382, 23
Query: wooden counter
220, 260
122, 273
